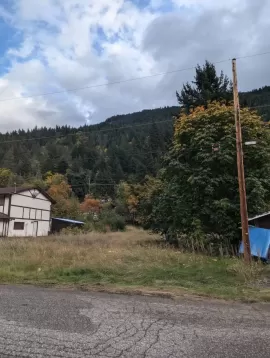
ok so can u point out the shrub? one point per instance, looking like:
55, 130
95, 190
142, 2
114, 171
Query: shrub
109, 218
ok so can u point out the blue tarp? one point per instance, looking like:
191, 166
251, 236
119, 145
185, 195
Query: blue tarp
259, 242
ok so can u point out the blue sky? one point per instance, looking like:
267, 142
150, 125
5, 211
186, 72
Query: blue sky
8, 38
54, 44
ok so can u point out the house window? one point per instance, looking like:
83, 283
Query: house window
18, 225
2, 200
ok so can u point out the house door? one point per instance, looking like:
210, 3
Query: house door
35, 228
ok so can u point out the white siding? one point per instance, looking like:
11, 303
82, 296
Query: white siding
6, 207
26, 213
16, 212
43, 228
45, 215
41, 196
29, 210
39, 214
26, 201
1, 227
33, 213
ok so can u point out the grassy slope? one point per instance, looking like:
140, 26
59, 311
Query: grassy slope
127, 260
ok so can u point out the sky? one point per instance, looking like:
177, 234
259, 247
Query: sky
57, 46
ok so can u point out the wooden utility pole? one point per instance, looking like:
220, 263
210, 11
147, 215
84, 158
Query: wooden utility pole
240, 169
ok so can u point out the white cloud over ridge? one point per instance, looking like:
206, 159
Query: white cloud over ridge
60, 45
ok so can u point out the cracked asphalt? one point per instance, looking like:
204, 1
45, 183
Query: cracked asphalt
37, 322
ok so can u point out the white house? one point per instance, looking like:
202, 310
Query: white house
24, 212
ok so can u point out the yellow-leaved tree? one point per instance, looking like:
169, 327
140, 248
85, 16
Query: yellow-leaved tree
67, 205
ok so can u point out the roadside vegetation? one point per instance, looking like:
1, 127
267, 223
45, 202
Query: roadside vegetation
128, 261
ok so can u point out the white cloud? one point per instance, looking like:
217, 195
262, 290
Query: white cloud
79, 43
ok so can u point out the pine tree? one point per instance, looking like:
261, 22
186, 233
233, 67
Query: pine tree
206, 87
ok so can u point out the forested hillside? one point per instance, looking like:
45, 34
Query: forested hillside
259, 99
124, 147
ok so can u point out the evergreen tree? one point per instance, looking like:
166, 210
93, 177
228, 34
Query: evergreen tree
206, 87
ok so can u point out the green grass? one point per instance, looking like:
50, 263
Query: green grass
128, 261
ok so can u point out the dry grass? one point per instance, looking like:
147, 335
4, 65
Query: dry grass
129, 259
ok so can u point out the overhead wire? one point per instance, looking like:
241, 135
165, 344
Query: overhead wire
125, 80
56, 136
105, 84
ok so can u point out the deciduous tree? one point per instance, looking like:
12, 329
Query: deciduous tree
200, 185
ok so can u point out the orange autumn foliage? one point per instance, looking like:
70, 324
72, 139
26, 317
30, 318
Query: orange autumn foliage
90, 205
58, 187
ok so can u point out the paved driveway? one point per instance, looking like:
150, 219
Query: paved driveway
37, 322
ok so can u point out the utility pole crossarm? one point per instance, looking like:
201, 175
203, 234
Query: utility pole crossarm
240, 168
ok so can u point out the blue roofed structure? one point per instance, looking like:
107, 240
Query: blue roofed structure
259, 243
69, 221
60, 223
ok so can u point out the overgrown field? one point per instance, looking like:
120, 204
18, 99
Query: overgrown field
131, 260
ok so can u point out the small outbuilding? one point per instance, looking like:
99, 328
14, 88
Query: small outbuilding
262, 220
60, 223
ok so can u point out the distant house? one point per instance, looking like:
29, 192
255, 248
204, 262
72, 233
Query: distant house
25, 212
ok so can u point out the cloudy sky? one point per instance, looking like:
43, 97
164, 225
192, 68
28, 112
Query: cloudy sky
56, 45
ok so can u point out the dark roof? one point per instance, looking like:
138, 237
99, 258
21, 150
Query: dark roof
13, 190
259, 216
3, 216
69, 221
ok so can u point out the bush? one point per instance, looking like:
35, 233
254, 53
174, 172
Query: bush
211, 244
109, 218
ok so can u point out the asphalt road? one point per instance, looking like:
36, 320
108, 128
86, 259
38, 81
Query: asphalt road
37, 322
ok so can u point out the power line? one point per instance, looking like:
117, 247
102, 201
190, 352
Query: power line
124, 81
253, 55
104, 84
